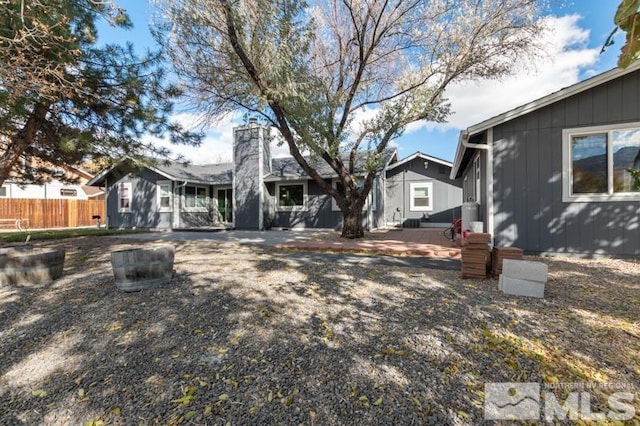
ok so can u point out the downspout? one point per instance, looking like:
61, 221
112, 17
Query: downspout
488, 147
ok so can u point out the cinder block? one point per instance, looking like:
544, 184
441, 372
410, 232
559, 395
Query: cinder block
525, 270
519, 287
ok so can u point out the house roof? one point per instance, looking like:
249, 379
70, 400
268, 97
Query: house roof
219, 173
286, 168
423, 157
92, 191
533, 106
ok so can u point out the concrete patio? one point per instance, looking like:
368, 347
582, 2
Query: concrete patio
418, 242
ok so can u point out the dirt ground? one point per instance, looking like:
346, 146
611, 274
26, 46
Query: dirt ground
252, 335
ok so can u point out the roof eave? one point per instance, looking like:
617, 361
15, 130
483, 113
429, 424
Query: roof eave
97, 179
421, 155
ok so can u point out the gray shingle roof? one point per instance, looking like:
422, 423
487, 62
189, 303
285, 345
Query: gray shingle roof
288, 167
220, 173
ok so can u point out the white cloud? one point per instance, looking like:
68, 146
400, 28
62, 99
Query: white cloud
217, 145
567, 55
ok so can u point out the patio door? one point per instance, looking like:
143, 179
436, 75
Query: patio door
225, 205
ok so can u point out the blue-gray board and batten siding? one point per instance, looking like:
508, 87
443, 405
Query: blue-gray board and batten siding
319, 213
248, 159
447, 194
144, 212
527, 172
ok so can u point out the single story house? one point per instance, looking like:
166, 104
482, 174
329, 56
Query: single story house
256, 191
552, 176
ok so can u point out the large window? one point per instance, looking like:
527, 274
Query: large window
195, 197
124, 197
597, 163
291, 196
3, 191
164, 195
421, 196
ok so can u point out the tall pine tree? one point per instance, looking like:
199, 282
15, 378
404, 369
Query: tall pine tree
64, 99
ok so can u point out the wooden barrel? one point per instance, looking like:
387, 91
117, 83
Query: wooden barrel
26, 266
139, 269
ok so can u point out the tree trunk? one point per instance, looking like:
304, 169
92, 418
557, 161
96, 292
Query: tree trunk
352, 222
20, 141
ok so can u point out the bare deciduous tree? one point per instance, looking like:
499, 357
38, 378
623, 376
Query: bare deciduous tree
312, 70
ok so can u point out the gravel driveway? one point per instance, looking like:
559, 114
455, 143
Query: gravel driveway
251, 335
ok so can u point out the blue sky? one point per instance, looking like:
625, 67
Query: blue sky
580, 29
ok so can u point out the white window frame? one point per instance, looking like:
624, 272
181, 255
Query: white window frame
159, 185
371, 198
196, 208
129, 188
567, 165
412, 188
292, 208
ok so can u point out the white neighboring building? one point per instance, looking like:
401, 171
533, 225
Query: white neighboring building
54, 189
46, 191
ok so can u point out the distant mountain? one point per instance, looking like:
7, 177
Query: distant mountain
624, 158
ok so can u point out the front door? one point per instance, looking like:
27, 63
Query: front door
225, 205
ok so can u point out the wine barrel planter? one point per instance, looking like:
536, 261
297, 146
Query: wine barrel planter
139, 269
26, 266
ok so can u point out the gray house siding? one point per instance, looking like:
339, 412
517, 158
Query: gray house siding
248, 157
144, 211
528, 183
202, 217
447, 194
318, 213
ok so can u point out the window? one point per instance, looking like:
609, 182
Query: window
3, 191
291, 196
66, 192
371, 198
597, 163
195, 197
164, 195
124, 197
421, 196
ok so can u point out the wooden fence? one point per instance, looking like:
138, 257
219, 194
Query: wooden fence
53, 213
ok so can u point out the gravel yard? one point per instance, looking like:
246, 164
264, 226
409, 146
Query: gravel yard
250, 335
